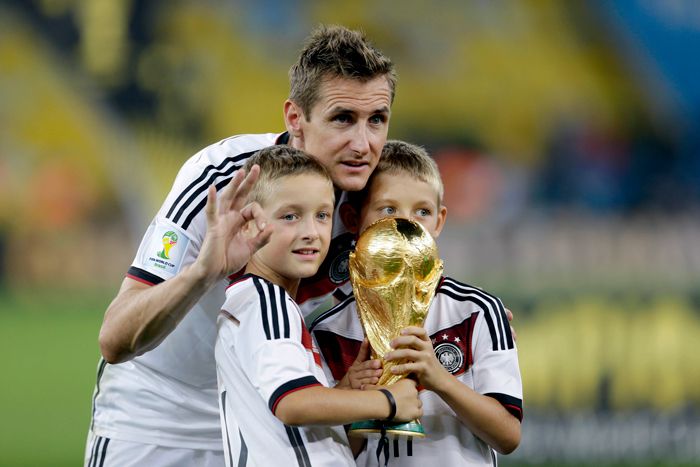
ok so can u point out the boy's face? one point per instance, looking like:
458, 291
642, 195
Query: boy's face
300, 209
346, 130
402, 195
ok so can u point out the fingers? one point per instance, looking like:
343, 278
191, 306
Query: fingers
412, 341
246, 185
210, 207
509, 314
417, 331
253, 211
228, 194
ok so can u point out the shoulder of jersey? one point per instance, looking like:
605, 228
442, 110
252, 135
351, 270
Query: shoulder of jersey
493, 310
459, 289
237, 145
327, 316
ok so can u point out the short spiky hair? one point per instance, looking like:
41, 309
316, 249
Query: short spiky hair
401, 157
281, 161
335, 52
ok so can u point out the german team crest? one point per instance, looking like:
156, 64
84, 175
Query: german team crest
450, 356
339, 273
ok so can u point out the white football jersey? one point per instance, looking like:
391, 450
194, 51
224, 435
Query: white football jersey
264, 353
472, 339
168, 395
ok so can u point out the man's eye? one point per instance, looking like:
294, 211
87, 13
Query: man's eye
377, 119
342, 118
289, 217
323, 216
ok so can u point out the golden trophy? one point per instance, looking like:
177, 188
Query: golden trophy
394, 272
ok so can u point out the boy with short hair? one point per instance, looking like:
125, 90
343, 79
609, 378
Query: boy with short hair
275, 404
464, 358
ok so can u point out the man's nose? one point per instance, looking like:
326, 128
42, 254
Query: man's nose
360, 139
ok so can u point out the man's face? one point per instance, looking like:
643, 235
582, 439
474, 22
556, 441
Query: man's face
347, 128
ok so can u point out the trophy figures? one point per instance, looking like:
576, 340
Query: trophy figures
394, 271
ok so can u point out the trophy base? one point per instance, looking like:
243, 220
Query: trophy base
370, 428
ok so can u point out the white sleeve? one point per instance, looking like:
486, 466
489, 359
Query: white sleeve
276, 349
174, 237
495, 369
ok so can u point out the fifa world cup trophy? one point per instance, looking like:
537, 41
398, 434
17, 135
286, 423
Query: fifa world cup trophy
394, 271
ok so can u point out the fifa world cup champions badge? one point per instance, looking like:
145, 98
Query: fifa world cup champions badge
394, 271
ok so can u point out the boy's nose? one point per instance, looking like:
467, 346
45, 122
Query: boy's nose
310, 230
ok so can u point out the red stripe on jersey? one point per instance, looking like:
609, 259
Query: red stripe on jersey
139, 279
340, 352
236, 275
283, 395
515, 410
308, 343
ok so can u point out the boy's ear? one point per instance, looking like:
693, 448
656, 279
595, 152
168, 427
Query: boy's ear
293, 116
441, 217
350, 217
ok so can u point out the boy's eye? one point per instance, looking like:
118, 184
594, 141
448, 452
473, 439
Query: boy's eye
423, 212
388, 210
289, 217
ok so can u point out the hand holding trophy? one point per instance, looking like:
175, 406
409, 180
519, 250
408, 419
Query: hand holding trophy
394, 271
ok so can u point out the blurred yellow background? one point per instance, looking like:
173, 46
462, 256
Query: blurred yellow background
566, 133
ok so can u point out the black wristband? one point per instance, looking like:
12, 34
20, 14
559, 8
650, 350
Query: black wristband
392, 403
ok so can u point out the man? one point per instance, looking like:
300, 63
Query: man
158, 406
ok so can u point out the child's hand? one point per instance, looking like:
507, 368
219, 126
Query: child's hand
415, 346
363, 371
408, 404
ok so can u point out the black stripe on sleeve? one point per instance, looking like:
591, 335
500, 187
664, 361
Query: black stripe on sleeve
496, 309
243, 456
97, 441
226, 433
100, 370
103, 454
274, 310
142, 275
298, 444
285, 318
201, 183
263, 307
290, 386
336, 309
511, 404
482, 305
199, 206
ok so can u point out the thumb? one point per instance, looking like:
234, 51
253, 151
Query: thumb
363, 353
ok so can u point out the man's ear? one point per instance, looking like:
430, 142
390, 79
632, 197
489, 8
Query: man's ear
293, 116
350, 217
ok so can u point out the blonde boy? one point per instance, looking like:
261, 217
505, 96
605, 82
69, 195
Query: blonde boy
464, 359
275, 406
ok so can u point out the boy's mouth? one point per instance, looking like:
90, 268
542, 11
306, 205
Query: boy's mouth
305, 251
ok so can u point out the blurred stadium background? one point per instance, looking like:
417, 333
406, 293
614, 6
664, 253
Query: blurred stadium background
568, 136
